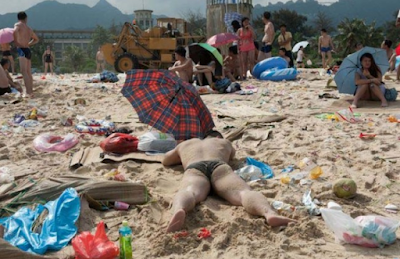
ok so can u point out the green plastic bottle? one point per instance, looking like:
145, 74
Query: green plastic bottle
125, 241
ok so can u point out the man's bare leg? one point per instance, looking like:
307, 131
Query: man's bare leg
12, 64
193, 189
29, 69
398, 73
328, 62
232, 188
46, 67
23, 63
323, 59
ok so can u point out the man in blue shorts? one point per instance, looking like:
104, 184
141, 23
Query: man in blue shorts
325, 47
24, 38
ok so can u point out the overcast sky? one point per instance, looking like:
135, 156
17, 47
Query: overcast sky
173, 8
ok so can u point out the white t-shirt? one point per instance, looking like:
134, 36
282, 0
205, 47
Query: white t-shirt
300, 55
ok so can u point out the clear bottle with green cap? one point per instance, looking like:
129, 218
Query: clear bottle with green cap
125, 241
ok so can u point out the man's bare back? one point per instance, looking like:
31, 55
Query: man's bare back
196, 150
100, 56
24, 34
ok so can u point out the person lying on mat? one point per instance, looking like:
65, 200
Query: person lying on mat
368, 80
206, 166
183, 66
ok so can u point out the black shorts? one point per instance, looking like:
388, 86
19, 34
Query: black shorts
6, 53
5, 90
299, 62
266, 48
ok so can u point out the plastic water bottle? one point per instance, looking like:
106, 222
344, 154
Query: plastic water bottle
307, 165
125, 241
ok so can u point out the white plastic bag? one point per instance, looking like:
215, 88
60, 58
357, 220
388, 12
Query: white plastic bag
156, 141
5, 175
249, 173
366, 231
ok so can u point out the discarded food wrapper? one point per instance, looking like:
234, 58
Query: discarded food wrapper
334, 206
367, 135
204, 233
391, 208
311, 206
181, 234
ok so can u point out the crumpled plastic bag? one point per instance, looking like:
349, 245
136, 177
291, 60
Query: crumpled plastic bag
97, 246
156, 142
120, 143
266, 170
366, 231
347, 115
57, 229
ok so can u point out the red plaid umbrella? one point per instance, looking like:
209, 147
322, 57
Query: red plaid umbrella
162, 100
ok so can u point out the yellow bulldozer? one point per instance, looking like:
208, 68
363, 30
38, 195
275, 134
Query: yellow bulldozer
153, 48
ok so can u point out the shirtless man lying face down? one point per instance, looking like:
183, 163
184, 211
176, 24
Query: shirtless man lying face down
205, 163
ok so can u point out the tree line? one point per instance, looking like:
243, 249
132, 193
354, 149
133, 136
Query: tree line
345, 36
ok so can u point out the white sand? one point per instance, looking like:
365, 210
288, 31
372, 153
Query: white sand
335, 146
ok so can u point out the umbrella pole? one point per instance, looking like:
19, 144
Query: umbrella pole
170, 101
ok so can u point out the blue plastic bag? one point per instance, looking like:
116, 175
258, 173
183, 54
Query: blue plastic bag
266, 170
57, 229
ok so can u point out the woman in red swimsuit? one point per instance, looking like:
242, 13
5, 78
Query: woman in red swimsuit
246, 46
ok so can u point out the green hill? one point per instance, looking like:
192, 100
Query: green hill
52, 15
370, 10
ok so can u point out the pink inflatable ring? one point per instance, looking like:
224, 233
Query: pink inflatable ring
48, 143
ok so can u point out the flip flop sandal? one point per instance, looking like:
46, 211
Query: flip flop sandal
327, 96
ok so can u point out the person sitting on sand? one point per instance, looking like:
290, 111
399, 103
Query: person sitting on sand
368, 80
4, 82
325, 47
282, 54
205, 71
232, 65
6, 48
5, 64
183, 66
205, 163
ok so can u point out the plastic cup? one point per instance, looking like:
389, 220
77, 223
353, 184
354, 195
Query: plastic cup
119, 205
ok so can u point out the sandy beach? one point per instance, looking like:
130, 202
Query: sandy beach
334, 145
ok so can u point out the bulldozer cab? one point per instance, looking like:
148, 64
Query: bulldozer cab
173, 25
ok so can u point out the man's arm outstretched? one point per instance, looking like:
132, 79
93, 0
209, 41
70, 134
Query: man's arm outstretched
171, 158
